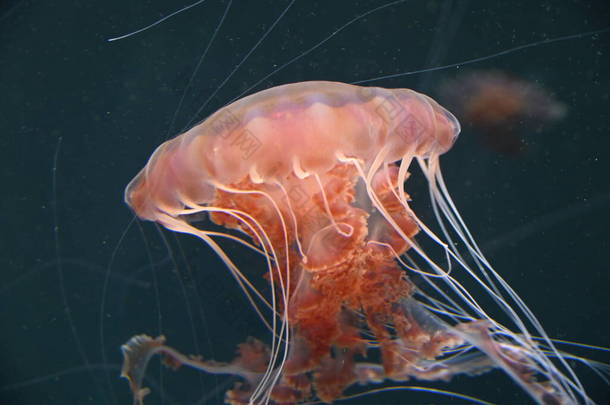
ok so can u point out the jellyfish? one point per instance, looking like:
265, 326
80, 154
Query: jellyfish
313, 177
501, 107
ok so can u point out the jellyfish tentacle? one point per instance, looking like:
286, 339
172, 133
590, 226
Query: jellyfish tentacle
450, 212
294, 221
270, 377
243, 282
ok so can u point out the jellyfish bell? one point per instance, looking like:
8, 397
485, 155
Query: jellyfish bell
500, 107
263, 125
313, 177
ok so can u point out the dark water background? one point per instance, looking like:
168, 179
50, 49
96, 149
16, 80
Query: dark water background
79, 116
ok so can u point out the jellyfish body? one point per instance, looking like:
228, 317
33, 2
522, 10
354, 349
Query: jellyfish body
312, 174
501, 108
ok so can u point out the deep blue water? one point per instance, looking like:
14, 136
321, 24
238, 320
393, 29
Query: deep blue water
79, 116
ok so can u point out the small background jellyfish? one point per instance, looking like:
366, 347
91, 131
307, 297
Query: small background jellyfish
77, 278
501, 109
